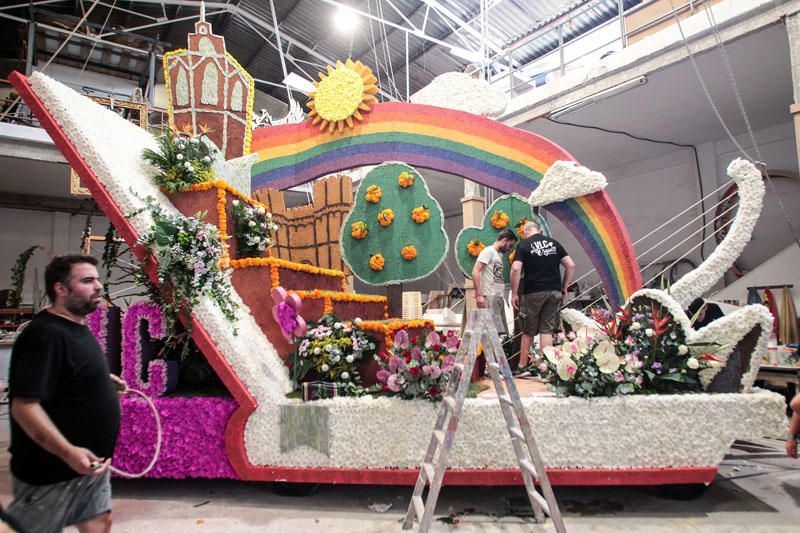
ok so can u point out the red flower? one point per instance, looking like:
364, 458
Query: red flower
660, 325
414, 371
433, 391
406, 353
413, 340
708, 357
408, 359
436, 347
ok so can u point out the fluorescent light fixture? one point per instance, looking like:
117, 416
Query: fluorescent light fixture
468, 55
597, 97
298, 83
345, 20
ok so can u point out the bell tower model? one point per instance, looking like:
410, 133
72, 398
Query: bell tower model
207, 87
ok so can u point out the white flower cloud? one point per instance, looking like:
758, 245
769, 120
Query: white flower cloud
564, 180
455, 90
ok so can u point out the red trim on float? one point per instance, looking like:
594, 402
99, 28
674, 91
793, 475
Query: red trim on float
557, 476
234, 433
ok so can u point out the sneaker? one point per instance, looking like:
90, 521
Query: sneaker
520, 372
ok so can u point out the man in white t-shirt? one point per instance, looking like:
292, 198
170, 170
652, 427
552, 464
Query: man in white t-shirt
487, 278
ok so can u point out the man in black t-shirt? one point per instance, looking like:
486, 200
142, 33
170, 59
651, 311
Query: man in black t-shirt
537, 262
64, 408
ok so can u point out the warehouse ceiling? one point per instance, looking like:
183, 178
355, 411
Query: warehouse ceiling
406, 42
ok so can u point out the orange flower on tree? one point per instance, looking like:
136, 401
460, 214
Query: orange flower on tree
405, 179
511, 256
474, 247
420, 214
376, 262
385, 217
409, 252
358, 230
499, 219
373, 194
521, 226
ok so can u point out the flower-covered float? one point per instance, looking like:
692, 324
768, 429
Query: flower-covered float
242, 325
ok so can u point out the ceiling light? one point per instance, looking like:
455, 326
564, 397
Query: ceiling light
597, 97
298, 83
345, 20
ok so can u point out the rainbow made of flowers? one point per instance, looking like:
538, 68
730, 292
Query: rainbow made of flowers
489, 152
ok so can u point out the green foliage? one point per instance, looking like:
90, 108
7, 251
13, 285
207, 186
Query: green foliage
18, 277
188, 252
253, 227
517, 209
332, 350
183, 160
428, 238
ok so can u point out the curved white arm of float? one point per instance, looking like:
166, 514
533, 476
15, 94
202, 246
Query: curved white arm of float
751, 197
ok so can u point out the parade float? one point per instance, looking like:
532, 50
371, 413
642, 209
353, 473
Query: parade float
637, 395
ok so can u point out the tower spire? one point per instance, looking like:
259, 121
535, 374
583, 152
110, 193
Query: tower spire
202, 11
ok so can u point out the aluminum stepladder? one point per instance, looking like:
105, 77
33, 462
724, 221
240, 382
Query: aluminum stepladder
479, 331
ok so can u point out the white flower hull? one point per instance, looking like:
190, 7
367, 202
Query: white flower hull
633, 432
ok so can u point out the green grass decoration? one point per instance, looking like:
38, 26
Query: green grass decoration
429, 237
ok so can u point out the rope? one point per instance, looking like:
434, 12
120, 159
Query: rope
158, 440
739, 102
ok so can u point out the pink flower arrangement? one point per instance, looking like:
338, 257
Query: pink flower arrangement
418, 367
286, 313
193, 442
97, 322
133, 359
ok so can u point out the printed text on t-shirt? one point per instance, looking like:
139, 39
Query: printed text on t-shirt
543, 248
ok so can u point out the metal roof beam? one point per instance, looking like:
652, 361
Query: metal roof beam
446, 13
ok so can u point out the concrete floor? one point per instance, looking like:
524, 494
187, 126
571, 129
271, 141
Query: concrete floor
757, 489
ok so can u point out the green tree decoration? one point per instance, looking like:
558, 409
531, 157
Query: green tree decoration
512, 210
394, 232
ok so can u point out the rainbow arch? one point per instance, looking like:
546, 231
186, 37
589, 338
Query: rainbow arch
479, 149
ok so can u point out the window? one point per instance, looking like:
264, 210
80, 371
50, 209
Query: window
210, 84
236, 96
182, 87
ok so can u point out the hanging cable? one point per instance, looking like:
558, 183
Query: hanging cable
740, 103
657, 141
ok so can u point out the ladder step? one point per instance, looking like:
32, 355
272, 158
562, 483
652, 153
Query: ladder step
504, 398
541, 501
459, 367
527, 465
419, 506
439, 436
516, 433
429, 471
496, 366
450, 402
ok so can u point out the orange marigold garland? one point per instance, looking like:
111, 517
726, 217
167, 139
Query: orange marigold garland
474, 247
274, 276
373, 194
222, 227
385, 217
376, 262
499, 219
405, 179
409, 252
420, 214
358, 230
327, 307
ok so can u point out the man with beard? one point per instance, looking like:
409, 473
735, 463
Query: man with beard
487, 278
64, 409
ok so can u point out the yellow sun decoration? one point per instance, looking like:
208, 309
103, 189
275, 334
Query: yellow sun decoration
341, 95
